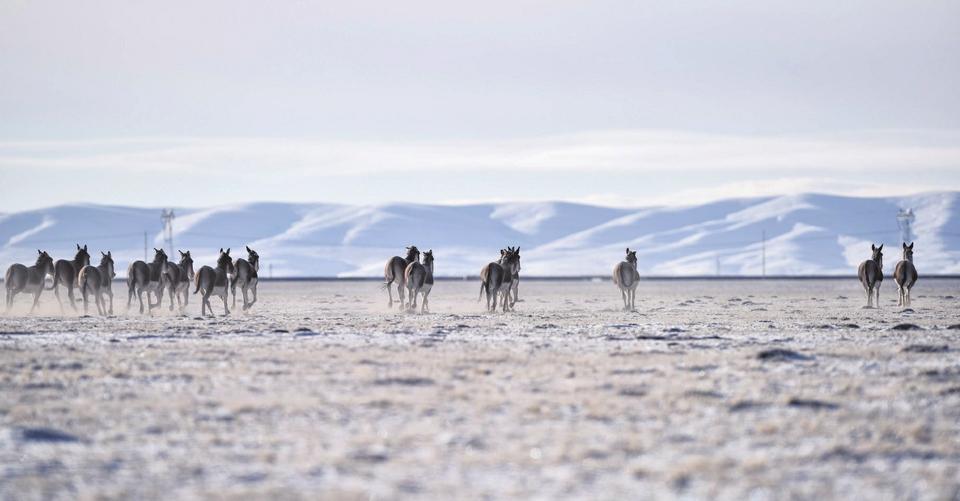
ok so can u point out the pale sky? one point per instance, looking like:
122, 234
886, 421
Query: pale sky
627, 103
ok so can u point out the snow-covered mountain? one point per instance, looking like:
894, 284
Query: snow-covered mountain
805, 234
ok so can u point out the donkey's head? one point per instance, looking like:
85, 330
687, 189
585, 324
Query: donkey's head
106, 263
632, 257
44, 262
908, 252
510, 259
186, 263
877, 254
83, 257
253, 258
159, 256
224, 261
413, 254
428, 260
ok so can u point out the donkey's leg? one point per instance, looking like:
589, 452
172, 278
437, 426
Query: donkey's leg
869, 291
86, 302
140, 298
876, 290
254, 288
73, 303
36, 299
56, 293
400, 288
110, 294
246, 302
226, 311
130, 288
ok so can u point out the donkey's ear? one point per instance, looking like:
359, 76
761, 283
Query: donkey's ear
518, 249
228, 251
904, 245
873, 247
84, 246
181, 252
880, 248
910, 246
78, 246
248, 248
104, 254
39, 252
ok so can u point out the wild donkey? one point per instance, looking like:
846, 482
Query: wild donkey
871, 274
20, 278
97, 280
905, 274
66, 272
143, 277
626, 277
177, 278
245, 275
419, 280
495, 280
394, 270
215, 282
512, 286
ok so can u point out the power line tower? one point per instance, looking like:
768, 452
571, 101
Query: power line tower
763, 254
905, 220
167, 217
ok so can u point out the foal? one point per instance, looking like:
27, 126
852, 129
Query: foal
394, 270
905, 274
215, 282
245, 275
97, 280
419, 280
66, 272
626, 277
20, 278
871, 274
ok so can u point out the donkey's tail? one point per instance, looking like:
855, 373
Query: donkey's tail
83, 288
56, 280
196, 280
483, 286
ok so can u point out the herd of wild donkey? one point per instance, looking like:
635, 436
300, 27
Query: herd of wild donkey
499, 280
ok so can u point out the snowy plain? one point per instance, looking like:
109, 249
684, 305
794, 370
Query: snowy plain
761, 389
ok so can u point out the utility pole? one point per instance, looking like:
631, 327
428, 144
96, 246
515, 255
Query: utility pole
145, 247
905, 221
167, 217
718, 265
763, 254
270, 267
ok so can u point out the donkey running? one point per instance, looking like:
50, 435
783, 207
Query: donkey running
245, 275
97, 280
394, 270
66, 272
626, 277
20, 278
514, 285
419, 280
495, 279
871, 274
177, 278
215, 282
143, 277
905, 274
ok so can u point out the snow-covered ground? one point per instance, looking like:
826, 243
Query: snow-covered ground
806, 234
713, 389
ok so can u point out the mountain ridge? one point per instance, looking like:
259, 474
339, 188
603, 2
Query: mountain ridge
806, 234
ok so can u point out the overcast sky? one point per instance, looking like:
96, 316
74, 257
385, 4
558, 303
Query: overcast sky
630, 103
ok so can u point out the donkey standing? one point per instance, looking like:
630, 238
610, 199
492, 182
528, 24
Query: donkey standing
245, 275
178, 278
97, 280
143, 277
419, 280
20, 278
626, 277
66, 272
905, 274
871, 274
394, 270
215, 282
